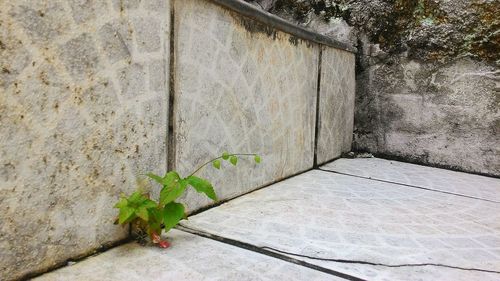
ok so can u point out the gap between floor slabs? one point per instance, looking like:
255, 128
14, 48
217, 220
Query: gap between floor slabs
409, 185
266, 252
285, 256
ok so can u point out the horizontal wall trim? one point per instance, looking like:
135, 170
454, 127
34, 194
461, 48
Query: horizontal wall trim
250, 11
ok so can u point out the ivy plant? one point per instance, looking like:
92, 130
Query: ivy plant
149, 216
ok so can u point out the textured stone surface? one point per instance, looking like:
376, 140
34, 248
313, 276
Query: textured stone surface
443, 115
242, 88
427, 75
189, 258
426, 177
336, 104
73, 134
325, 215
84, 109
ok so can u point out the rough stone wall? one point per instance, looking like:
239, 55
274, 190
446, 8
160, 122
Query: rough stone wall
336, 104
427, 75
82, 111
84, 102
241, 87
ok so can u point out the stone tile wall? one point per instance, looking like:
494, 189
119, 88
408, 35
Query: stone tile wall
241, 90
336, 104
83, 110
84, 103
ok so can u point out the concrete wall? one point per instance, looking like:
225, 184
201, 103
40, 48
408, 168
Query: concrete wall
444, 115
84, 106
240, 89
336, 104
427, 75
83, 110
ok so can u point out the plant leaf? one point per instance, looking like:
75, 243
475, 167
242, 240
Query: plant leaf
225, 155
149, 204
136, 199
233, 160
156, 178
172, 213
155, 215
126, 215
169, 194
122, 203
216, 164
142, 213
170, 177
202, 186
257, 159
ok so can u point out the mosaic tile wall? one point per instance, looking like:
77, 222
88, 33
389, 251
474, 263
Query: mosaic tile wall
83, 111
336, 104
241, 90
84, 105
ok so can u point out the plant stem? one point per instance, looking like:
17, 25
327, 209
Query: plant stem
220, 157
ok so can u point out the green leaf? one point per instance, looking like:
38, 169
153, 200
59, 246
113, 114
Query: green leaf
172, 214
170, 178
122, 203
155, 215
142, 213
126, 215
216, 164
136, 199
257, 159
170, 193
225, 155
202, 186
149, 204
156, 178
233, 160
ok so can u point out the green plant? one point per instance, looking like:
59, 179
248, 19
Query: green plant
149, 216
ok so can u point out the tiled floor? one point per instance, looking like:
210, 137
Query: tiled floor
190, 257
331, 224
421, 176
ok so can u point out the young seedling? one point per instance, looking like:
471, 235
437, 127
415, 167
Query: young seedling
149, 216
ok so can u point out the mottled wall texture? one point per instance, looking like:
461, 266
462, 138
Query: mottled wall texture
428, 87
83, 110
336, 104
241, 89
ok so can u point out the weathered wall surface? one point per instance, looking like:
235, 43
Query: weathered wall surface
85, 93
427, 75
336, 104
83, 109
241, 87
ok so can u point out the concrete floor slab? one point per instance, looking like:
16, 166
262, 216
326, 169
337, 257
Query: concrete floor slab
325, 224
410, 233
190, 257
417, 175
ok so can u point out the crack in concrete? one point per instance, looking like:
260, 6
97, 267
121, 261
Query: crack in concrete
382, 264
276, 253
263, 251
409, 185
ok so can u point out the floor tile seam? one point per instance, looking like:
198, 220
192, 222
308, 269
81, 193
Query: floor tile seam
285, 255
266, 252
408, 185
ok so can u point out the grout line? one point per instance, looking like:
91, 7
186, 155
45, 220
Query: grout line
171, 93
266, 252
409, 185
317, 122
